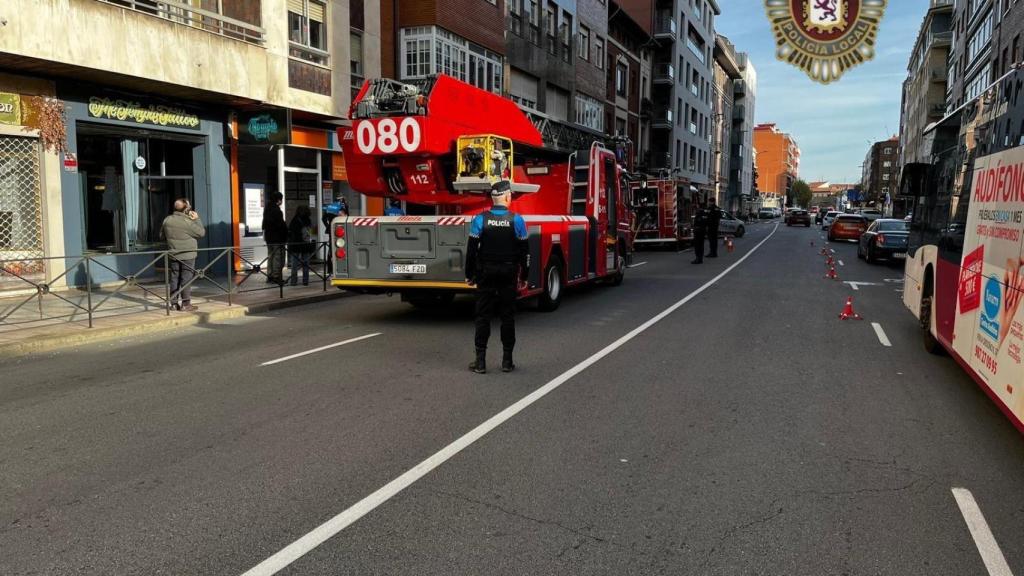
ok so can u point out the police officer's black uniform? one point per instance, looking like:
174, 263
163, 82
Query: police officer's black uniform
700, 229
495, 261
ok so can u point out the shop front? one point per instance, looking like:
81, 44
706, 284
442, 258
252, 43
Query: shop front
302, 162
30, 220
134, 155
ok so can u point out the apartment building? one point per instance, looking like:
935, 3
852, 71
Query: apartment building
732, 126
880, 172
778, 165
627, 101
924, 91
741, 167
986, 42
219, 102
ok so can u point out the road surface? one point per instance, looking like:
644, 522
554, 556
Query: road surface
746, 431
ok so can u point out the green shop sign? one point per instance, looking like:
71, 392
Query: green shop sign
10, 108
267, 126
154, 114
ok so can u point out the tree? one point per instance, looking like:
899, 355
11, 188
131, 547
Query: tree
802, 193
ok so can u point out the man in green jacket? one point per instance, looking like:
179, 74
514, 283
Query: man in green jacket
182, 229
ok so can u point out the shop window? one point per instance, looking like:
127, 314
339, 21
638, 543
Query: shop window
307, 31
21, 226
130, 182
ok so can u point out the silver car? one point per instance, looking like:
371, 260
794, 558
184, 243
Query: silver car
729, 226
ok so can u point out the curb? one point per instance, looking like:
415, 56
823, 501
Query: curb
53, 342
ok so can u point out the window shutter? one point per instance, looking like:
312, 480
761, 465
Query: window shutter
316, 12
297, 6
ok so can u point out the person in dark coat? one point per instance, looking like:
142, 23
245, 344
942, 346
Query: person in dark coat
700, 230
301, 244
714, 220
275, 233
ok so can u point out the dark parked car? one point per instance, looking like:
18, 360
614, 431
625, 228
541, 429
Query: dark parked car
885, 238
847, 227
798, 217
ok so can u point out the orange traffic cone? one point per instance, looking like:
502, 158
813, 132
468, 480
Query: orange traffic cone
728, 244
830, 262
848, 312
832, 273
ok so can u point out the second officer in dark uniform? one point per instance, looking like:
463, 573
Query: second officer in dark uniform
497, 258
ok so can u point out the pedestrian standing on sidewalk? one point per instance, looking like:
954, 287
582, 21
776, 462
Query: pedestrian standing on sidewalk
182, 231
714, 220
497, 259
275, 234
300, 244
700, 230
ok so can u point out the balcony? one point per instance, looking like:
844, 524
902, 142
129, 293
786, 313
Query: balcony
664, 73
739, 113
663, 119
215, 21
938, 74
940, 39
665, 28
739, 88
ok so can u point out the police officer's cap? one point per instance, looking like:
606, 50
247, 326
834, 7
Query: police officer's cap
501, 187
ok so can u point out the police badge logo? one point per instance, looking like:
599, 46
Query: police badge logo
825, 38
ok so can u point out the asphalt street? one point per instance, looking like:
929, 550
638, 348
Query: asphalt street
747, 432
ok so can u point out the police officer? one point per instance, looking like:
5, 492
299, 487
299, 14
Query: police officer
700, 230
714, 221
497, 259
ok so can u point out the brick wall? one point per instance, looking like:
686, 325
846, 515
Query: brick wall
478, 21
594, 15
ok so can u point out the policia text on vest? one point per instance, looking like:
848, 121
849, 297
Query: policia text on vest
497, 258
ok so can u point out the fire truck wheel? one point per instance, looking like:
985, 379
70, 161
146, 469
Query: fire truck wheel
549, 300
620, 273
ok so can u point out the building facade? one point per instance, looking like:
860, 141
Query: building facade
924, 91
986, 43
778, 165
628, 105
726, 73
741, 168
880, 173
221, 104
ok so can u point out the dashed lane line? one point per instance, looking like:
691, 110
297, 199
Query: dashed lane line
637, 265
320, 349
991, 555
299, 548
881, 335
841, 263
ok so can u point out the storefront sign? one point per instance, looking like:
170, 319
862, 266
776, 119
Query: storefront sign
70, 162
10, 108
128, 111
265, 127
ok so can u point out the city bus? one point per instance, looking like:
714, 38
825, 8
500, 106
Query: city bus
963, 273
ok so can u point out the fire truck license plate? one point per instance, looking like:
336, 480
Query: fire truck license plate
408, 268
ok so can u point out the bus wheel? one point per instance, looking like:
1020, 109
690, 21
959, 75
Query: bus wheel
931, 343
549, 300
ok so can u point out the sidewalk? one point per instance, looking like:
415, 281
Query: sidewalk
30, 324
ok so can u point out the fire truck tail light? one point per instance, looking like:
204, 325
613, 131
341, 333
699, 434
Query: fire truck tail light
340, 253
339, 231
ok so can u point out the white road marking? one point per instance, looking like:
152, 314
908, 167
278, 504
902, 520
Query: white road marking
881, 335
991, 555
857, 285
841, 263
637, 265
333, 526
320, 349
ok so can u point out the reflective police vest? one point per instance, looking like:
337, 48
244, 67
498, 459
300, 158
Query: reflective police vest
498, 242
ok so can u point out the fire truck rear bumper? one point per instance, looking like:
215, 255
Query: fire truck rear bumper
399, 284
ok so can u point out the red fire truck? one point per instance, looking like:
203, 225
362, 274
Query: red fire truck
442, 143
663, 214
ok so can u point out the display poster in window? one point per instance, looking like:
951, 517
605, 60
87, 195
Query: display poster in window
266, 126
254, 207
338, 169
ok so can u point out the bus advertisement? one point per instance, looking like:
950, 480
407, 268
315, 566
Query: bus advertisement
963, 275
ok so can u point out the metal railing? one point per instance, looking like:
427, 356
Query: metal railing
142, 281
184, 12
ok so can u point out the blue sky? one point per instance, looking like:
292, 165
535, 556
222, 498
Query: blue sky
832, 124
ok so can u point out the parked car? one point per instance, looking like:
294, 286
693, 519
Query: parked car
871, 214
765, 214
730, 226
847, 227
884, 238
797, 217
777, 211
829, 217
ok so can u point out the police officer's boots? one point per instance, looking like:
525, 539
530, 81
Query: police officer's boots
506, 361
480, 364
